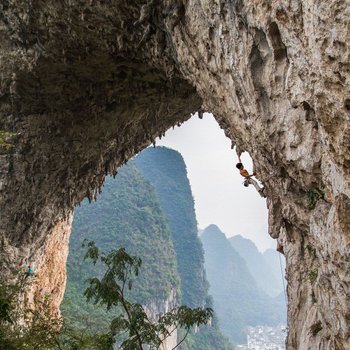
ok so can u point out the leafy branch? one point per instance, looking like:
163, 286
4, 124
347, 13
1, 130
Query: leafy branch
109, 291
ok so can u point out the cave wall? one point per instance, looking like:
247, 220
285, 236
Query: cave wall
276, 76
85, 86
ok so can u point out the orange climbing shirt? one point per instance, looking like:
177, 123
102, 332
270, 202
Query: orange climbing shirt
244, 172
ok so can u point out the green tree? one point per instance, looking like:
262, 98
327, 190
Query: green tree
133, 320
23, 327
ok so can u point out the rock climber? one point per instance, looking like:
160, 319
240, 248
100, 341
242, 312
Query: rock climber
248, 178
29, 272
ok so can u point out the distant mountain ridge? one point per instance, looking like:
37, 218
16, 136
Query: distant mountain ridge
264, 268
238, 299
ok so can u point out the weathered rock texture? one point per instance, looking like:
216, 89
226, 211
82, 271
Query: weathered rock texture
86, 85
161, 307
53, 257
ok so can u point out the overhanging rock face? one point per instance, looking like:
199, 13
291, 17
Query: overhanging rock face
86, 85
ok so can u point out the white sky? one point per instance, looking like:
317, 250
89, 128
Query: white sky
217, 186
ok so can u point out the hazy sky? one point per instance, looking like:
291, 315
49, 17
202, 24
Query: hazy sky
217, 186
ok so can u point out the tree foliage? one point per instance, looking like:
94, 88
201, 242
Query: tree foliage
23, 327
109, 291
130, 328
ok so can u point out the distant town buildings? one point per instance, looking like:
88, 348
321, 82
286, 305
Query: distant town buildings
265, 338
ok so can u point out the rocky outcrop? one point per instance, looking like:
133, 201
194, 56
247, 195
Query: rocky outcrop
50, 278
85, 86
160, 307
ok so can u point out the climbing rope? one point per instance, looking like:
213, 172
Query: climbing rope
284, 286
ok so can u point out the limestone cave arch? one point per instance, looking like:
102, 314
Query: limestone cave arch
84, 86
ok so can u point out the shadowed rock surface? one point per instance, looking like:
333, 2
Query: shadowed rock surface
86, 85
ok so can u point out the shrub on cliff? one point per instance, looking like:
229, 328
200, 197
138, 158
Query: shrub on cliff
23, 327
130, 328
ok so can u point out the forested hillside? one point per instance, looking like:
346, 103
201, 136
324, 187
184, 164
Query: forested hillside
238, 300
149, 209
166, 170
126, 214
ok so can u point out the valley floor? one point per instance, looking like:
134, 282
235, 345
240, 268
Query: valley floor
265, 338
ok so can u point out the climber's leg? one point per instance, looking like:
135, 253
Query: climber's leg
257, 187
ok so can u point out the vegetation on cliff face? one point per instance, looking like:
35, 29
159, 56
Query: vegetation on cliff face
126, 214
22, 327
131, 326
166, 170
5, 140
238, 301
